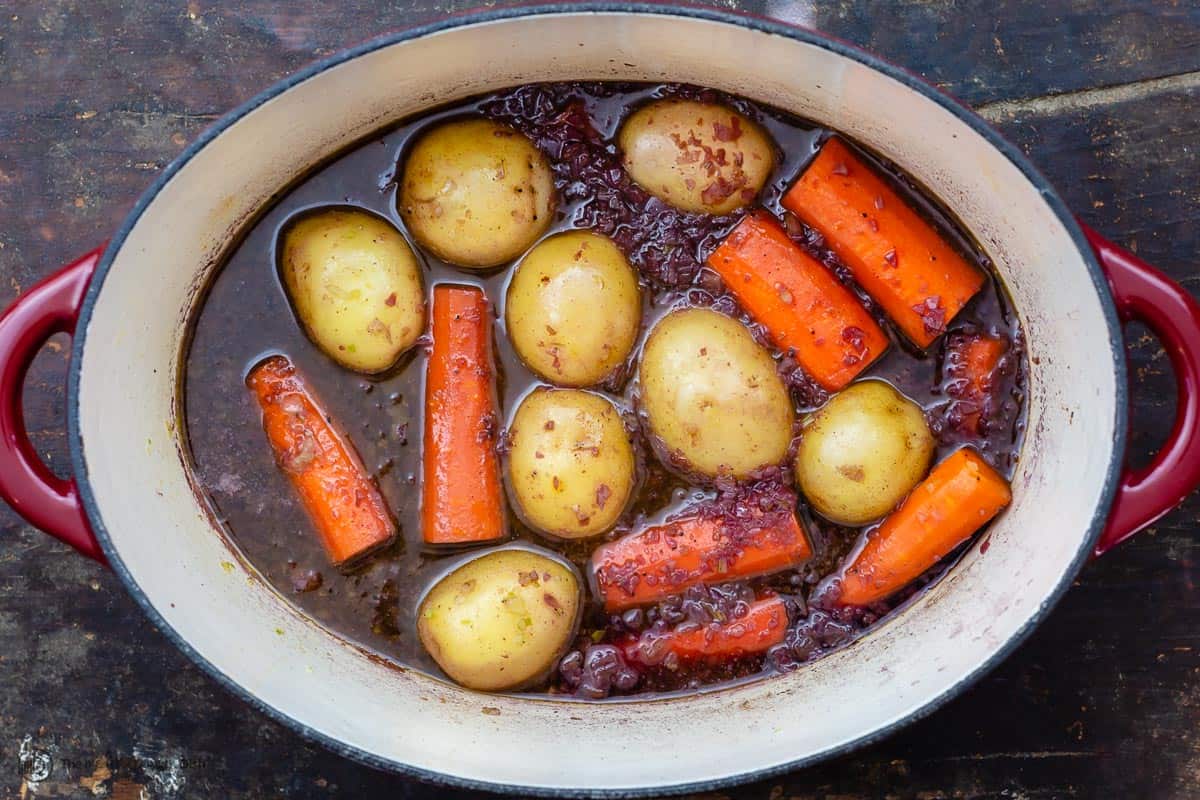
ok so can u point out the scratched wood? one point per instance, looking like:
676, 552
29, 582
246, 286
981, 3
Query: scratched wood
96, 97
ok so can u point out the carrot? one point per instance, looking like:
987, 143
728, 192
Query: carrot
342, 500
958, 497
801, 304
763, 626
647, 566
461, 496
893, 253
971, 364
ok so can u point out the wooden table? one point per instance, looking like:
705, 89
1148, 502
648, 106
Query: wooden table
1104, 95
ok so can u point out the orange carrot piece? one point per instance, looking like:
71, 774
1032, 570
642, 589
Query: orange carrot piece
893, 253
803, 307
461, 496
663, 560
764, 626
959, 497
334, 488
974, 364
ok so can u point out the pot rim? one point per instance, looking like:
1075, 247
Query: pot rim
740, 19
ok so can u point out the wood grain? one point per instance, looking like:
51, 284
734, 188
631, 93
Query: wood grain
96, 97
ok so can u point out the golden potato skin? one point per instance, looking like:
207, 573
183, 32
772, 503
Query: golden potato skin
476, 193
700, 157
355, 286
573, 308
862, 453
712, 395
501, 620
571, 466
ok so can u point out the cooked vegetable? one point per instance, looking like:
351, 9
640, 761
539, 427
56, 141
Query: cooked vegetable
476, 193
712, 396
570, 465
334, 488
959, 497
461, 497
763, 627
355, 286
700, 157
798, 301
862, 452
501, 620
573, 308
663, 560
899, 258
971, 363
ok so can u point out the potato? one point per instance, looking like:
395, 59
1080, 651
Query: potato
573, 308
501, 620
355, 286
476, 193
712, 396
862, 453
696, 156
570, 465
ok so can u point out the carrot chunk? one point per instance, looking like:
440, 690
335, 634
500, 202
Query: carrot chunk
663, 560
461, 500
971, 363
334, 488
764, 626
897, 256
801, 304
959, 496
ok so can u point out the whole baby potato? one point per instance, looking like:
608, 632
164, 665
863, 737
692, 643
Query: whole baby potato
573, 308
862, 453
355, 286
712, 395
501, 620
570, 465
476, 193
700, 157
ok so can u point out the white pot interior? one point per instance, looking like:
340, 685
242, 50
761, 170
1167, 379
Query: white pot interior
165, 541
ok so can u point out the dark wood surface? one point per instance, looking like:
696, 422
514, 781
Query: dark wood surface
96, 97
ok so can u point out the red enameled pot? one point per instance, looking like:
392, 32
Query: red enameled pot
131, 501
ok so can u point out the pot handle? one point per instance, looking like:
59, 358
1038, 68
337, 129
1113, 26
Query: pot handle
1144, 293
26, 483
